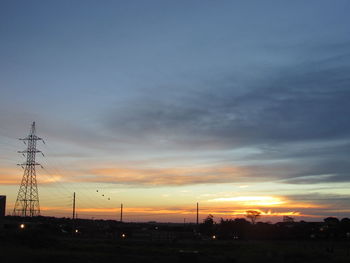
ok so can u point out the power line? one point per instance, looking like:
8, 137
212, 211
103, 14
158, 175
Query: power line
96, 202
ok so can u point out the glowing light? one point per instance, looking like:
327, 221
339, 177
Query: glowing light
243, 212
213, 237
123, 235
22, 226
252, 200
76, 231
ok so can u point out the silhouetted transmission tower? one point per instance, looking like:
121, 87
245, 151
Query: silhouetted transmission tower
27, 203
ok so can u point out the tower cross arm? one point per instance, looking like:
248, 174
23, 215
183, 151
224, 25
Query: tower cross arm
30, 163
30, 151
31, 137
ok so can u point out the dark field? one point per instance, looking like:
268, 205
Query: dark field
75, 249
52, 240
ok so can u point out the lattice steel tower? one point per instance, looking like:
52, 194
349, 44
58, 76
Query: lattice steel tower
27, 203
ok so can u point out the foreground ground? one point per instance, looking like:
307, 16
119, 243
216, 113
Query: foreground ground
76, 249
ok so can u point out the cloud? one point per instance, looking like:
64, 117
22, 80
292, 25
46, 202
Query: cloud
295, 116
281, 172
10, 176
316, 179
300, 102
308, 170
14, 176
166, 176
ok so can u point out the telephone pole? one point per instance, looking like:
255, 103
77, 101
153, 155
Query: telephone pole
73, 216
27, 202
121, 212
197, 221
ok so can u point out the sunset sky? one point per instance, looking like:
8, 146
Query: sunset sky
159, 105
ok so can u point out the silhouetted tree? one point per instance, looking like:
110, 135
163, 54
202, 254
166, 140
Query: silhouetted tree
207, 227
331, 221
332, 228
238, 228
209, 220
345, 225
345, 220
253, 215
288, 219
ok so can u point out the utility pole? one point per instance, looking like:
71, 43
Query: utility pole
121, 212
197, 221
73, 206
27, 202
74, 215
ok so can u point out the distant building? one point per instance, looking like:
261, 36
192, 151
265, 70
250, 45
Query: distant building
2, 210
2, 205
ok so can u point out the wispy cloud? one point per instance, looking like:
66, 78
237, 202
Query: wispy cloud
167, 176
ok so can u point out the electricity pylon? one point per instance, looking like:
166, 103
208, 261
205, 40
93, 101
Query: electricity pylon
27, 203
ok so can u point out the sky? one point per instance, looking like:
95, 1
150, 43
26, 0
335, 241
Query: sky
236, 105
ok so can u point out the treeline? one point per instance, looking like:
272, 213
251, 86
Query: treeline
223, 229
240, 228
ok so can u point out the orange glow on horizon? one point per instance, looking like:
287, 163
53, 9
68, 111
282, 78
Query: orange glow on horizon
147, 211
222, 206
264, 201
252, 200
